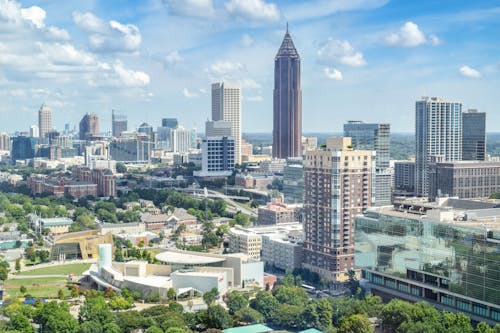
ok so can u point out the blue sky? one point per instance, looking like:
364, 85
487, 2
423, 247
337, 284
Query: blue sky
361, 59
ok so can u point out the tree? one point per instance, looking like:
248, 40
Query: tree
95, 309
325, 313
18, 264
121, 167
21, 323
356, 323
236, 301
156, 329
119, 303
289, 316
265, 303
210, 296
249, 315
60, 294
395, 313
129, 320
484, 328
4, 273
171, 294
22, 289
241, 219
290, 295
217, 317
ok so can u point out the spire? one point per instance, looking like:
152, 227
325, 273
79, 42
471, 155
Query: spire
287, 47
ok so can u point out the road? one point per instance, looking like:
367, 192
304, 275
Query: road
233, 203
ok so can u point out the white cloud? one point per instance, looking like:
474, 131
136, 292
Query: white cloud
225, 67
250, 84
332, 73
303, 10
130, 78
194, 8
257, 10
469, 72
410, 35
189, 94
57, 33
35, 15
111, 36
65, 54
173, 57
340, 52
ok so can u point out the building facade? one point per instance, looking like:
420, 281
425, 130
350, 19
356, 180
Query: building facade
44, 120
245, 241
119, 124
287, 101
293, 180
218, 156
338, 186
404, 176
23, 148
449, 259
226, 105
375, 137
182, 139
89, 126
276, 213
131, 149
5, 142
438, 135
466, 180
473, 136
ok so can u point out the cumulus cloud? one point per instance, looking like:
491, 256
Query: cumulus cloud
256, 10
57, 33
469, 72
246, 40
111, 36
65, 54
118, 76
35, 15
193, 8
173, 57
250, 84
340, 52
189, 94
225, 67
130, 78
410, 35
332, 73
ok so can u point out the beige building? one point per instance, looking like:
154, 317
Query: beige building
245, 241
44, 120
275, 213
338, 187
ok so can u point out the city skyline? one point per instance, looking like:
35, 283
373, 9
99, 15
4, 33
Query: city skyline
78, 57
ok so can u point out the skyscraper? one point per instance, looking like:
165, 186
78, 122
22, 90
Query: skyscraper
5, 142
287, 101
375, 137
438, 136
44, 120
337, 186
169, 122
119, 124
226, 105
89, 126
473, 136
34, 131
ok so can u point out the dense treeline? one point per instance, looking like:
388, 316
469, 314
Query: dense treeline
286, 307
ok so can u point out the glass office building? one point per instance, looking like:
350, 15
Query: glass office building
453, 264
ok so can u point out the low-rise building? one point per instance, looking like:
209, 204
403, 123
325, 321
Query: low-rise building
56, 225
276, 212
121, 228
244, 241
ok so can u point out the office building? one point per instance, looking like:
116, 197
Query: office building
309, 143
446, 254
169, 122
244, 241
438, 136
136, 149
338, 186
464, 179
473, 136
34, 131
23, 148
89, 127
276, 213
146, 129
218, 157
5, 142
218, 128
375, 137
287, 101
182, 139
404, 176
119, 124
44, 120
293, 180
226, 105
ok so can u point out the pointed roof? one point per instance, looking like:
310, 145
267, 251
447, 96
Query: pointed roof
287, 47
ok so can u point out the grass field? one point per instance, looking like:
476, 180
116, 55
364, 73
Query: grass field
37, 287
77, 269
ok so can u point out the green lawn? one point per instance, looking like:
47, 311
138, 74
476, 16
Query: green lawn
77, 269
36, 287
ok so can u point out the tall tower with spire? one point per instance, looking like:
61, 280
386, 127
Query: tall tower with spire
287, 101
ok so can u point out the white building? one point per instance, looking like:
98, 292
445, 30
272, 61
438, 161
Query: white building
44, 120
34, 131
438, 135
218, 157
245, 241
182, 139
218, 128
226, 105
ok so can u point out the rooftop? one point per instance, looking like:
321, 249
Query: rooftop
257, 328
187, 258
